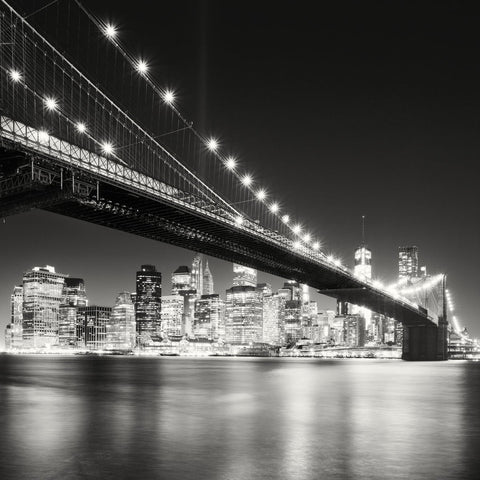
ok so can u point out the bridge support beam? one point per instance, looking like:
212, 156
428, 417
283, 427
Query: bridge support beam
425, 343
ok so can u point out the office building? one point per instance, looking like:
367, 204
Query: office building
172, 314
42, 297
148, 303
208, 319
92, 322
407, 262
121, 333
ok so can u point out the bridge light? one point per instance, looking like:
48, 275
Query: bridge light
239, 220
107, 148
337, 262
247, 180
330, 259
274, 207
231, 163
378, 285
316, 246
43, 136
306, 238
110, 30
15, 75
168, 97
212, 144
261, 194
297, 245
51, 103
141, 67
81, 127
285, 219
297, 229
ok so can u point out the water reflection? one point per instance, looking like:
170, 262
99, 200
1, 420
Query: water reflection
116, 417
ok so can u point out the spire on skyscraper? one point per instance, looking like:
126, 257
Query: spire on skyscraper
208, 288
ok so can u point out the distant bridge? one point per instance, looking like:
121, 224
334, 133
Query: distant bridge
68, 148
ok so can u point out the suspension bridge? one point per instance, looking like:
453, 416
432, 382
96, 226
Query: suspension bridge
101, 141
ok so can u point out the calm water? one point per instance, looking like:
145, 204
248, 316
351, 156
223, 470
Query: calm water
214, 418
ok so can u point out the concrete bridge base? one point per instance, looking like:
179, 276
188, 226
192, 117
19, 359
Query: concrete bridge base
427, 343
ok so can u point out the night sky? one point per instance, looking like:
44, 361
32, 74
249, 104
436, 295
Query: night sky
359, 109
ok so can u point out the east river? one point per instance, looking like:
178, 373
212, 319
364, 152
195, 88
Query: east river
237, 418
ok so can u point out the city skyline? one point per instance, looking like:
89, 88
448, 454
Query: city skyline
395, 216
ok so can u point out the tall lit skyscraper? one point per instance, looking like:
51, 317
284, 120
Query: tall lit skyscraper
363, 258
197, 274
407, 262
208, 287
74, 296
42, 296
243, 310
148, 304
121, 325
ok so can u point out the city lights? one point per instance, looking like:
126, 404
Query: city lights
15, 75
51, 103
110, 31
141, 67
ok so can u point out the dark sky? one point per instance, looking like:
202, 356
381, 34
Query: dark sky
358, 109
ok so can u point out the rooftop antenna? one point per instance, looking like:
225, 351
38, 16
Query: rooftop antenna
363, 230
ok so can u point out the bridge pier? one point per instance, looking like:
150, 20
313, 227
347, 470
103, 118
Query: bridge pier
425, 342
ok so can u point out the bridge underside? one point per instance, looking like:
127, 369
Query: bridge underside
27, 182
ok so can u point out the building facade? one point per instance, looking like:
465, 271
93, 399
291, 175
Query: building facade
42, 297
148, 303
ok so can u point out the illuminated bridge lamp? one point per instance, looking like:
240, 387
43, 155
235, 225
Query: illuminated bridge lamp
15, 75
231, 163
110, 31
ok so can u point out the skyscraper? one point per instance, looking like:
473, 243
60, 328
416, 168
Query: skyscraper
74, 296
208, 287
148, 304
92, 325
197, 274
208, 322
407, 262
363, 258
181, 280
172, 314
121, 325
243, 310
42, 296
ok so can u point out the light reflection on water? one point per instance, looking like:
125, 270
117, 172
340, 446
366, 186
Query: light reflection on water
214, 418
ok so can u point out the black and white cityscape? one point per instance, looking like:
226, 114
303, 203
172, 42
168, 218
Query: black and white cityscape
50, 312
238, 240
